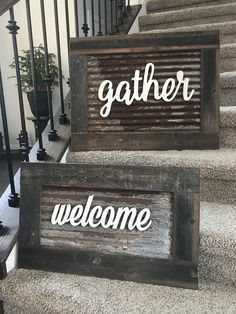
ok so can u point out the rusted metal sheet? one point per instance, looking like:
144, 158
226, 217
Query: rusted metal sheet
165, 251
156, 242
180, 115
194, 122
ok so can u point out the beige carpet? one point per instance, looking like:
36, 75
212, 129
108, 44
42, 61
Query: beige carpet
37, 292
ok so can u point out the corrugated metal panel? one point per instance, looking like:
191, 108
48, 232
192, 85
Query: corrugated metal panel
152, 115
156, 241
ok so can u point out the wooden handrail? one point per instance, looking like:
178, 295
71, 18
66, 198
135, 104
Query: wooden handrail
6, 5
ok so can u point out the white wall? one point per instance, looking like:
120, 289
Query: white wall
6, 57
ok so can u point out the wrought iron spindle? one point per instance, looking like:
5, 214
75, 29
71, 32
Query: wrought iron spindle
76, 18
124, 9
67, 25
13, 199
105, 9
93, 17
99, 19
41, 153
116, 27
128, 7
63, 118
23, 136
85, 27
120, 12
111, 17
52, 136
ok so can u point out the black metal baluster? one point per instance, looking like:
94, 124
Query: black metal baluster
111, 17
76, 18
125, 14
67, 25
99, 19
93, 17
128, 8
41, 153
23, 136
63, 118
116, 27
13, 199
52, 136
120, 12
105, 8
85, 27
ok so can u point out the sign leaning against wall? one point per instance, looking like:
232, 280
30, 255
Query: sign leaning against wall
145, 92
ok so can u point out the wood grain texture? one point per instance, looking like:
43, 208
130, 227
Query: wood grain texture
167, 253
145, 270
144, 42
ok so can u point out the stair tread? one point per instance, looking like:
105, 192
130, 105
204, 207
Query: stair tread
187, 14
42, 291
214, 164
224, 27
228, 117
228, 79
163, 5
228, 51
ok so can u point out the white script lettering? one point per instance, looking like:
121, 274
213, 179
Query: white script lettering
97, 216
123, 91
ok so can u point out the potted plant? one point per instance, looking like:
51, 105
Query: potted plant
26, 77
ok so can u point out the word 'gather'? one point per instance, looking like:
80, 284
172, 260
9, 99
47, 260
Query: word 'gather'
124, 94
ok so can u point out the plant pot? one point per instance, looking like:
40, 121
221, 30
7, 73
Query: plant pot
42, 102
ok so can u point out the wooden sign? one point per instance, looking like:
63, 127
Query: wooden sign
129, 223
145, 92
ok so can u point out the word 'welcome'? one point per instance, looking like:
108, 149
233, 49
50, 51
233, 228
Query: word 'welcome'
124, 94
97, 216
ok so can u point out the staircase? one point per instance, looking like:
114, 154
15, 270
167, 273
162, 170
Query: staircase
44, 292
218, 168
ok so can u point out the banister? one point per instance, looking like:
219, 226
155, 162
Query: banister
6, 5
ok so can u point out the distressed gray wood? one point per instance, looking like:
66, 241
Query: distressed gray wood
210, 91
171, 242
79, 94
161, 179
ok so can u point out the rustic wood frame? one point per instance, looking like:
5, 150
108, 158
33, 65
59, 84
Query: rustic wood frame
184, 183
207, 138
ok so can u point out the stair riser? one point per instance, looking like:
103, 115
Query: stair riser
156, 6
145, 23
228, 97
227, 38
218, 191
228, 137
227, 65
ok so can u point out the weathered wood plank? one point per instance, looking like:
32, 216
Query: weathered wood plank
140, 42
109, 266
143, 141
111, 177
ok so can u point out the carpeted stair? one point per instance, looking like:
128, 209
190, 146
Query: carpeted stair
26, 292
37, 292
